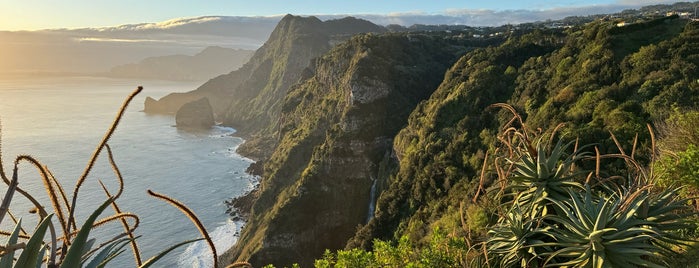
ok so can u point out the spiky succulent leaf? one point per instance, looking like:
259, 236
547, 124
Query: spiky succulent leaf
30, 255
74, 256
8, 258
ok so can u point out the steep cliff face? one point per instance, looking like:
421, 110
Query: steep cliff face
196, 115
440, 144
249, 98
336, 127
596, 79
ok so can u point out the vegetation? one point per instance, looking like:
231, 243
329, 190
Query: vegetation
435, 168
551, 212
595, 80
68, 245
582, 78
564, 170
335, 113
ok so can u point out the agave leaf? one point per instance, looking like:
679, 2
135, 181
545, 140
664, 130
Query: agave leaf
30, 255
117, 251
73, 257
86, 249
601, 221
582, 255
6, 260
155, 258
625, 233
111, 256
42, 252
106, 252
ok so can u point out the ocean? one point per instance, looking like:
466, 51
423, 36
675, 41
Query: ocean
60, 121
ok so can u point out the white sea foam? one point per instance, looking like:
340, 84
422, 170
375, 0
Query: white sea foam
219, 131
195, 167
198, 254
226, 235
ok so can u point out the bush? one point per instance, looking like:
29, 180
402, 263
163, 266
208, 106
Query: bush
555, 217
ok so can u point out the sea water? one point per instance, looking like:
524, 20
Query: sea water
61, 120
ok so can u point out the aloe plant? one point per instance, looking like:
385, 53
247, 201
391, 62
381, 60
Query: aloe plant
540, 174
552, 218
513, 240
604, 232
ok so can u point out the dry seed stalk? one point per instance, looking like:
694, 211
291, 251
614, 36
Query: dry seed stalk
41, 210
62, 193
184, 209
50, 191
115, 168
97, 151
125, 224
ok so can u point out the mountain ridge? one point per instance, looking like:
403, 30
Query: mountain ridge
359, 121
209, 62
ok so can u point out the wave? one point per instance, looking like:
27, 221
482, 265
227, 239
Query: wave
225, 236
219, 131
198, 254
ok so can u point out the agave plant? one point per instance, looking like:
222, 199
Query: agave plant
615, 231
517, 240
551, 219
540, 175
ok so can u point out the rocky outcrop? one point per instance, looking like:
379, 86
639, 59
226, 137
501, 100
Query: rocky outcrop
196, 114
335, 128
168, 104
250, 98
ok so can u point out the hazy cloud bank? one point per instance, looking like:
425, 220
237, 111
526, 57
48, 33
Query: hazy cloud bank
484, 17
94, 50
99, 49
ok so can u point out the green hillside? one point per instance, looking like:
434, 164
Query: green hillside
408, 120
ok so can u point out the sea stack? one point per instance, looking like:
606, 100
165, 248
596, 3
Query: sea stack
195, 114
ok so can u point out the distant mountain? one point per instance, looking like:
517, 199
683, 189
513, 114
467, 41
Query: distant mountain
335, 127
208, 63
383, 135
250, 98
402, 120
97, 50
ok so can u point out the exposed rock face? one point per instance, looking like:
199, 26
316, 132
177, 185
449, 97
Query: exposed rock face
195, 114
367, 90
168, 104
336, 127
250, 98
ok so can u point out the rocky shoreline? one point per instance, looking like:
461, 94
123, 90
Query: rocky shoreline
239, 208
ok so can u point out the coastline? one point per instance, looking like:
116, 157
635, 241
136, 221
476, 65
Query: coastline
226, 235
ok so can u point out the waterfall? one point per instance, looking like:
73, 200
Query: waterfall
372, 201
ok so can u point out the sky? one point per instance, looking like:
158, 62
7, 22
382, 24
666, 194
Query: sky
52, 14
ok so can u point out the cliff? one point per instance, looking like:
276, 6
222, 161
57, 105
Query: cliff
197, 114
336, 128
249, 98
404, 116
597, 79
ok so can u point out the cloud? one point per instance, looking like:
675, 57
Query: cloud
206, 25
487, 17
119, 40
169, 24
639, 3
